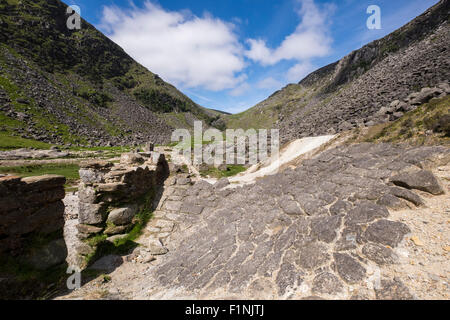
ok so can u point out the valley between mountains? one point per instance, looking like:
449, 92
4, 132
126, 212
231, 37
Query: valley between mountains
356, 207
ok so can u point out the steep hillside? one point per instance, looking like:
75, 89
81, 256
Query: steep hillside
78, 87
350, 92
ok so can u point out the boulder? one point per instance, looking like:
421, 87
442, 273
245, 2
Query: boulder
406, 195
122, 216
421, 180
425, 95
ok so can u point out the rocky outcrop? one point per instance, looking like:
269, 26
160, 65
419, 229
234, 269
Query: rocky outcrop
321, 229
111, 195
337, 226
31, 232
397, 108
367, 86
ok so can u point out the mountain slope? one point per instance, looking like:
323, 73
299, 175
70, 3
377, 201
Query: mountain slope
349, 92
78, 87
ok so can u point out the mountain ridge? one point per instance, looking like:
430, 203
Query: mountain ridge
112, 99
350, 91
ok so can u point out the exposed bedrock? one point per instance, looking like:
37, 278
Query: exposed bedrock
321, 229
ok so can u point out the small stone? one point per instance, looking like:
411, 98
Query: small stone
391, 201
184, 181
116, 238
113, 230
87, 229
417, 241
91, 213
148, 258
291, 208
191, 208
340, 207
156, 248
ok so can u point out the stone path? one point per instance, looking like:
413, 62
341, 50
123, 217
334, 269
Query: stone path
325, 229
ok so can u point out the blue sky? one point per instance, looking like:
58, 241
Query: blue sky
230, 55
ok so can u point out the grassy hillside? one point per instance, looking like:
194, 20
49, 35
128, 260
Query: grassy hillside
428, 124
78, 87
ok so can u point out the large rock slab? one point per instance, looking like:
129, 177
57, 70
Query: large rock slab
421, 180
389, 233
350, 270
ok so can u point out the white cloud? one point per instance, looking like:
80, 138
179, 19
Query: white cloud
240, 90
269, 83
309, 40
184, 49
299, 71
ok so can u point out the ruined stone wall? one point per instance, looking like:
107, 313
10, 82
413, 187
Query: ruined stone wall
112, 194
29, 207
31, 233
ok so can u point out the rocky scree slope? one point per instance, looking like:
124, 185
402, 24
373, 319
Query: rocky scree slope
78, 87
349, 93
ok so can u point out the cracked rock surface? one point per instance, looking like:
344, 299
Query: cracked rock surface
324, 229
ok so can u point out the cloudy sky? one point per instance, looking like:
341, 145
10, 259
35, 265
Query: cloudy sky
231, 54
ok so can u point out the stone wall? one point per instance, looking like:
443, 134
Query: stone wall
31, 234
112, 194
29, 206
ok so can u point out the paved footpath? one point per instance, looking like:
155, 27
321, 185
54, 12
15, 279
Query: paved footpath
325, 229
